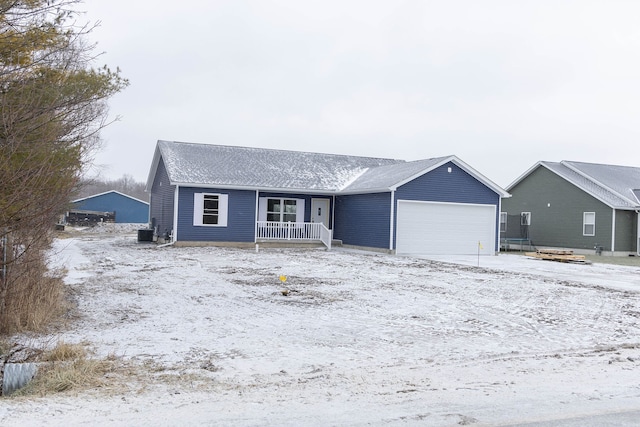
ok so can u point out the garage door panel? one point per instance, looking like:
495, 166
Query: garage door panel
445, 228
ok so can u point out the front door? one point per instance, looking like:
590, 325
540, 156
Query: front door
320, 211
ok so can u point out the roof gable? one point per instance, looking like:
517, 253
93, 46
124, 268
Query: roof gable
393, 176
613, 185
109, 192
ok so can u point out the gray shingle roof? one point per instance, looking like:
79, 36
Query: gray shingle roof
613, 185
390, 175
259, 168
202, 164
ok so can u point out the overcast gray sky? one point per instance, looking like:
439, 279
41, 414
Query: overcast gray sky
500, 84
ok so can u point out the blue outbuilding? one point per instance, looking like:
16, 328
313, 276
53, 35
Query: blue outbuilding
112, 205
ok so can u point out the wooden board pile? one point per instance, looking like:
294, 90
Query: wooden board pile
557, 255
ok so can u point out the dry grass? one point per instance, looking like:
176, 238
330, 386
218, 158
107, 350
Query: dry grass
35, 298
65, 352
68, 367
62, 376
5, 346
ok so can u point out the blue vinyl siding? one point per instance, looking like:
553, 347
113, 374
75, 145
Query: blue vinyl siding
363, 219
240, 221
307, 202
161, 201
457, 186
127, 209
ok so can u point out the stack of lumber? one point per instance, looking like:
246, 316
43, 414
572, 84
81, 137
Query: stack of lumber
557, 255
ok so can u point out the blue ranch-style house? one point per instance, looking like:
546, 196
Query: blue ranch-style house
216, 194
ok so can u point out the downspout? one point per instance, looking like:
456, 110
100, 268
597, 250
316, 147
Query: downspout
148, 212
613, 231
175, 214
497, 242
391, 222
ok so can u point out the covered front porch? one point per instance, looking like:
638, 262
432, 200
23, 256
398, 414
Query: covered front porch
294, 218
303, 232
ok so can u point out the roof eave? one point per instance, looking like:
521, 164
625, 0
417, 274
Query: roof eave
254, 188
595, 196
364, 191
626, 208
524, 175
154, 168
599, 183
107, 192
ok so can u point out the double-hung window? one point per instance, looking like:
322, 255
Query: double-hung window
503, 222
525, 218
589, 224
280, 209
210, 209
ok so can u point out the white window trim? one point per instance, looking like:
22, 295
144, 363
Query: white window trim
503, 220
528, 214
585, 223
198, 209
262, 207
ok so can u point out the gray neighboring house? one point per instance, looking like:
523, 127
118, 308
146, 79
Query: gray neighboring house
583, 206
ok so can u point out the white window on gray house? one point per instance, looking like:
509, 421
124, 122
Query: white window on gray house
589, 224
276, 209
503, 222
525, 218
210, 209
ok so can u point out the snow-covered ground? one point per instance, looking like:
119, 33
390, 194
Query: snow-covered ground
359, 339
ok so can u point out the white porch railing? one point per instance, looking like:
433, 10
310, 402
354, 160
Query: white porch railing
269, 230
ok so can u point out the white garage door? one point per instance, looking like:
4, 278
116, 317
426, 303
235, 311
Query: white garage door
445, 228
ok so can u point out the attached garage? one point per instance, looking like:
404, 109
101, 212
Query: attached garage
438, 228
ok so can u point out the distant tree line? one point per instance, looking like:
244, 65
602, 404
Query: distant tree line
125, 185
52, 108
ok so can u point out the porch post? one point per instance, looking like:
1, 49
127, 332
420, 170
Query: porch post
613, 231
255, 227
